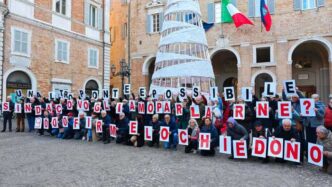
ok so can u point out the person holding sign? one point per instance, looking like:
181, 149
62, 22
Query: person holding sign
286, 132
328, 116
260, 132
48, 116
68, 131
125, 108
79, 133
91, 134
324, 138
173, 133
106, 125
248, 115
217, 119
265, 110
155, 124
56, 121
184, 118
193, 132
311, 123
122, 129
20, 117
236, 131
138, 139
208, 127
7, 112
295, 117
201, 102
31, 102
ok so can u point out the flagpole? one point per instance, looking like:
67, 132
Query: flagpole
261, 26
221, 30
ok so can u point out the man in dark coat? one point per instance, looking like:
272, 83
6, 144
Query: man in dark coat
122, 129
8, 115
106, 126
155, 124
287, 132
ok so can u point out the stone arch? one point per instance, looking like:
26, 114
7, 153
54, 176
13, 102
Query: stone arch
326, 43
256, 74
31, 75
100, 88
146, 64
231, 49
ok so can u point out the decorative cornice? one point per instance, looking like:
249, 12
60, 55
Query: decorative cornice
154, 3
52, 28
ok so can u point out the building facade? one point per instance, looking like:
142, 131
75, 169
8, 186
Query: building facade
52, 45
299, 45
119, 37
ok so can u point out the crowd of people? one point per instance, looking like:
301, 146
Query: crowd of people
301, 129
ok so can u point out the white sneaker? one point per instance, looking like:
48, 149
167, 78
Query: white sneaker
83, 138
195, 152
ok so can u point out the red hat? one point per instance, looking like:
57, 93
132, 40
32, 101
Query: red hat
70, 114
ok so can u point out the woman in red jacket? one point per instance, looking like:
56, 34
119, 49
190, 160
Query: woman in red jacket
328, 116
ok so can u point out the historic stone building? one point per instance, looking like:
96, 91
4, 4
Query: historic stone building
299, 45
52, 45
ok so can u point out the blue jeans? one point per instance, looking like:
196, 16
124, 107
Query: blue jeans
31, 123
89, 135
55, 132
173, 141
68, 133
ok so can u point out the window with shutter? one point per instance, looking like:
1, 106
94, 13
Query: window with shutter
93, 16
20, 42
211, 13
100, 19
161, 21
251, 8
271, 5
148, 24
62, 51
254, 7
86, 12
320, 3
217, 12
93, 58
155, 22
234, 2
308, 4
297, 4
62, 7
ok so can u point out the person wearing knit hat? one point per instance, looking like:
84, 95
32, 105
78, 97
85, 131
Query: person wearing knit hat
236, 131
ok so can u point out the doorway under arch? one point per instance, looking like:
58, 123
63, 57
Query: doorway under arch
259, 83
224, 63
310, 68
18, 80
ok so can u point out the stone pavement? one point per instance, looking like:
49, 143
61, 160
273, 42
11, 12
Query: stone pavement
27, 159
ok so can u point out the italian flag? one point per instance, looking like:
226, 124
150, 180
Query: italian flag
233, 14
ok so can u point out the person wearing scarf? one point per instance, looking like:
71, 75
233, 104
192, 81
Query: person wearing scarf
236, 131
193, 132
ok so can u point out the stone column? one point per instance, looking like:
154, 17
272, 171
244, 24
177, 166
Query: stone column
3, 12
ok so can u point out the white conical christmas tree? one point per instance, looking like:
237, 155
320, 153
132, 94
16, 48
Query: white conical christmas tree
183, 58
